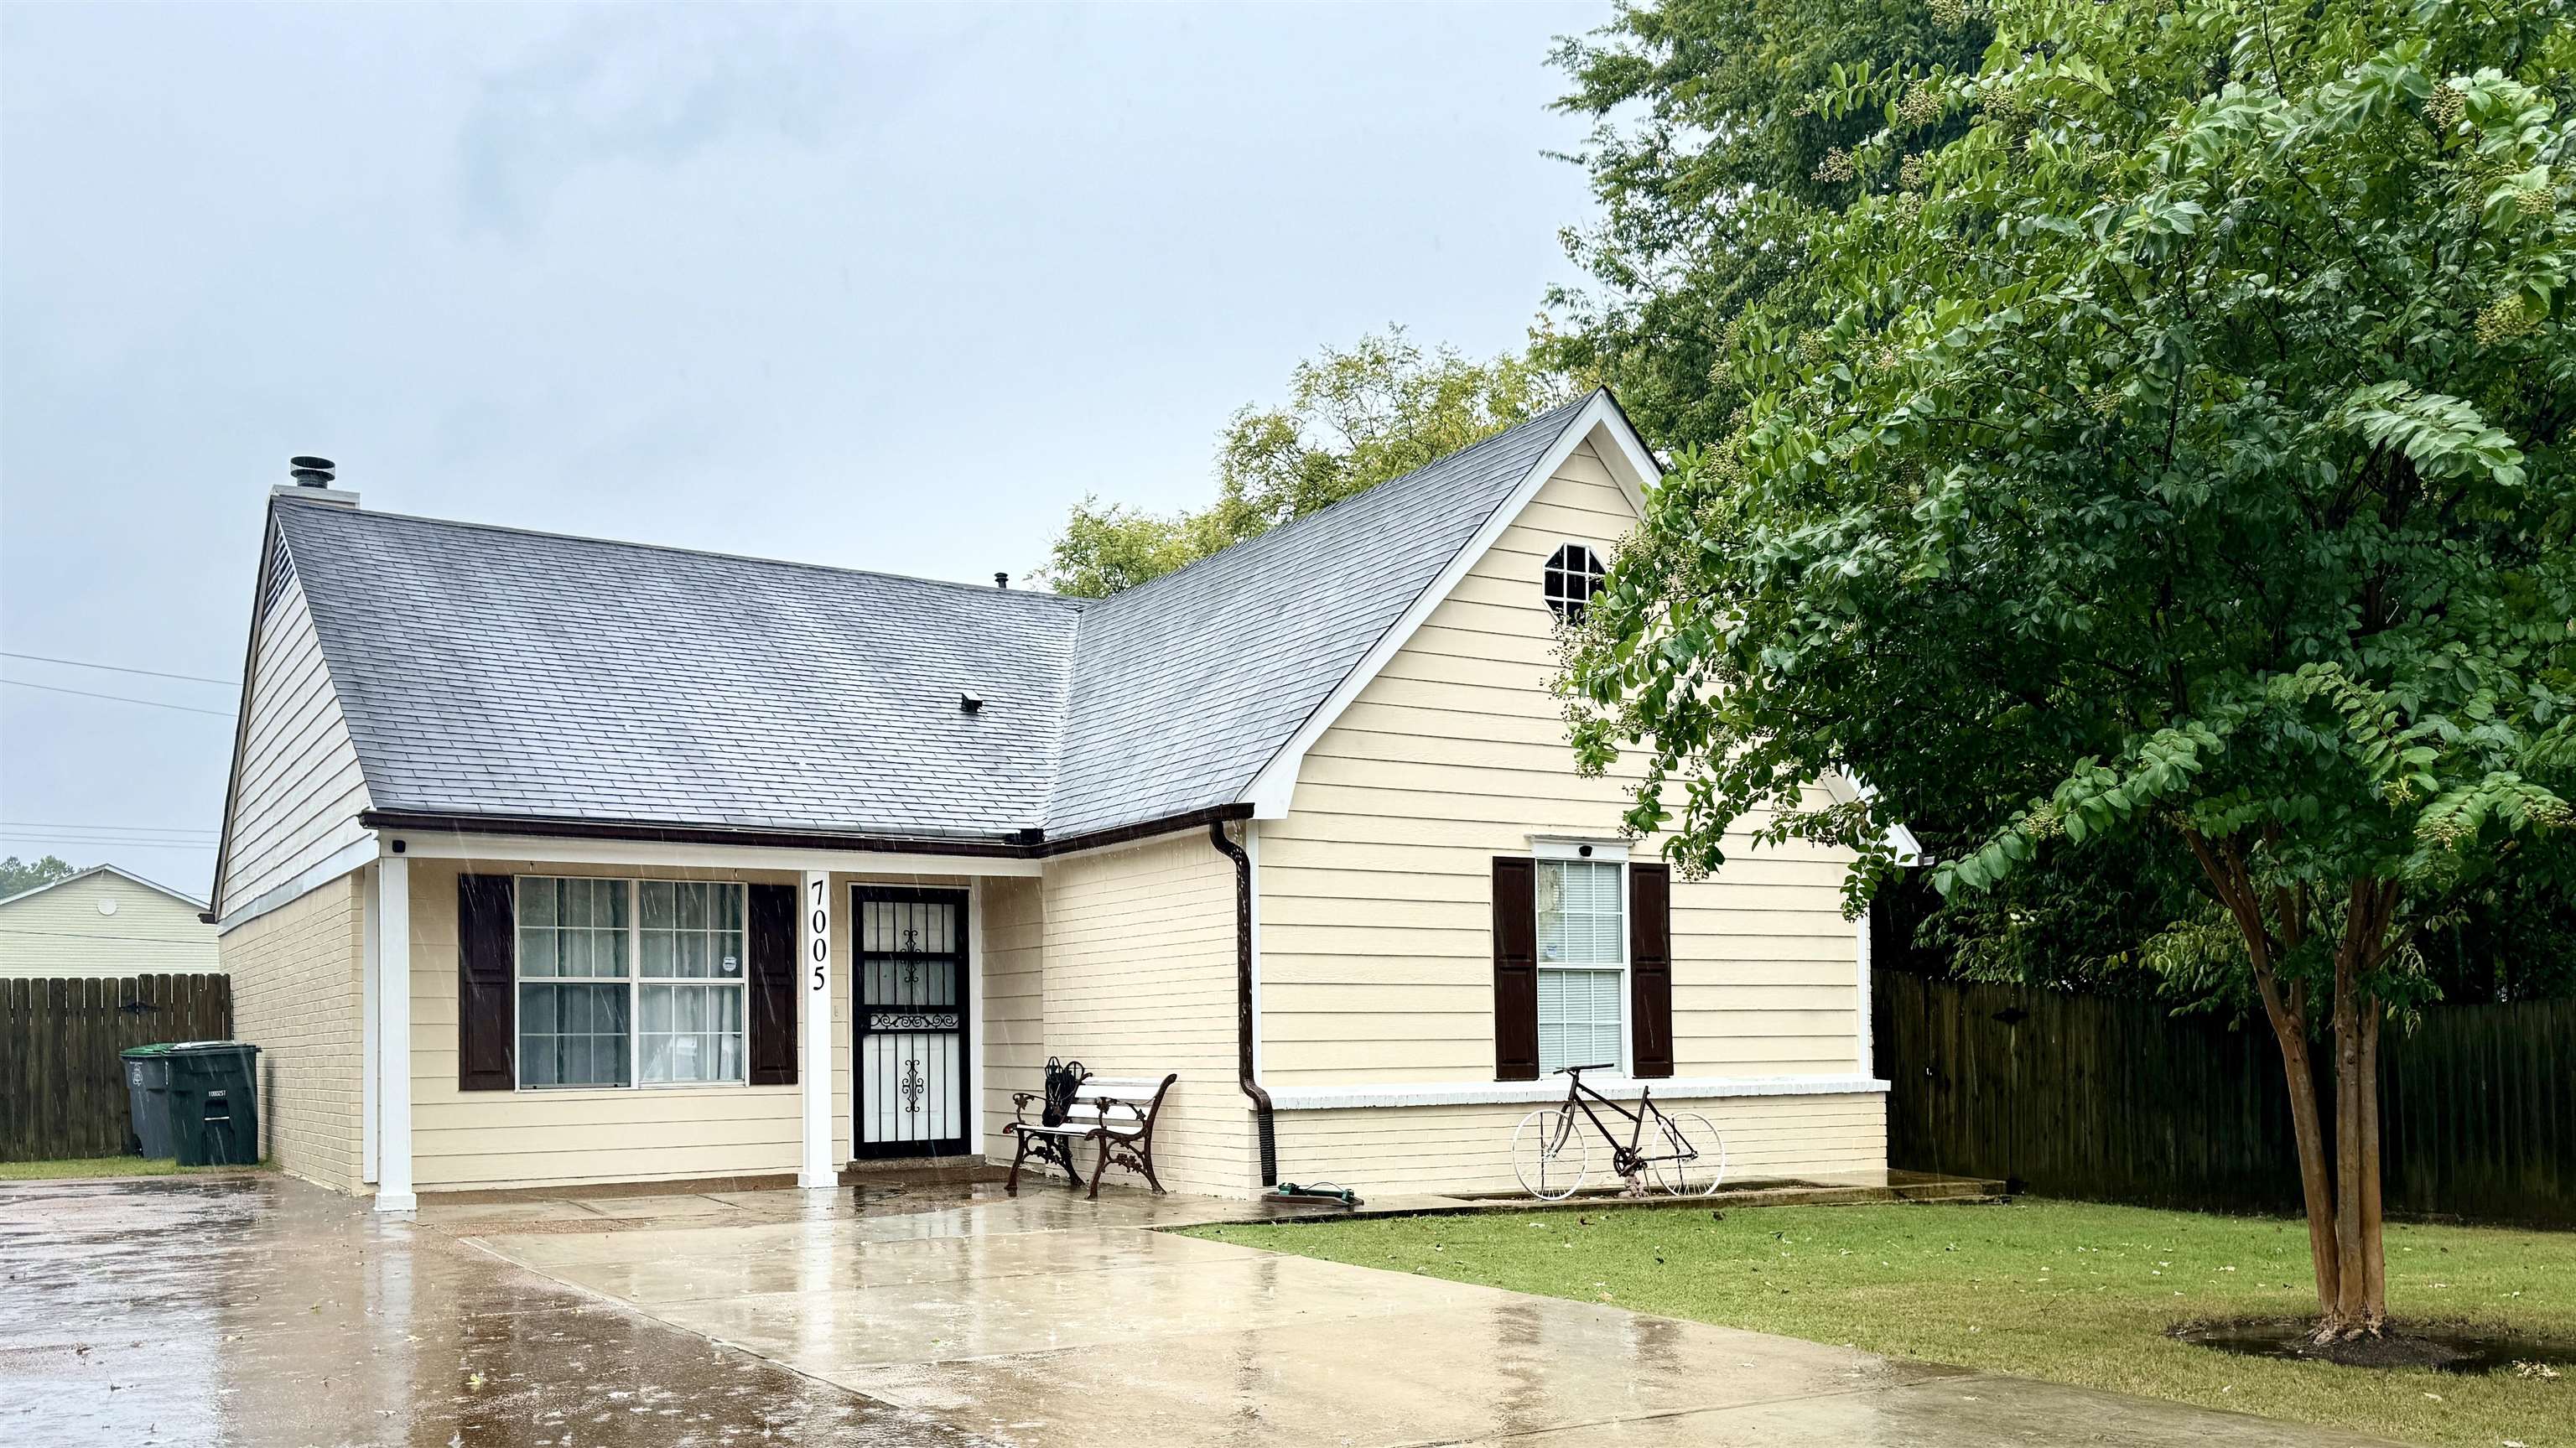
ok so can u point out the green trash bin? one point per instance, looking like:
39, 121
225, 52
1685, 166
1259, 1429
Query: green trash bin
147, 1100
214, 1103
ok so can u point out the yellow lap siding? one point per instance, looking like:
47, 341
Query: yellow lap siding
469, 1139
1376, 906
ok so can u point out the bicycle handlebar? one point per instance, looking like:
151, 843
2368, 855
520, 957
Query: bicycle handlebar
1579, 1070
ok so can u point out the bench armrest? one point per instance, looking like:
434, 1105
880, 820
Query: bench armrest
1107, 1104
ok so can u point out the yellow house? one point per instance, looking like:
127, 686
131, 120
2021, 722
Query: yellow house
550, 861
106, 922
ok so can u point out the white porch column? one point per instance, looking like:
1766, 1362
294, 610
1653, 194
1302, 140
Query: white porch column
814, 1073
393, 1035
370, 1014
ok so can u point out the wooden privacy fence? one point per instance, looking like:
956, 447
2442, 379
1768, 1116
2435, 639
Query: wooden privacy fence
62, 1087
2116, 1100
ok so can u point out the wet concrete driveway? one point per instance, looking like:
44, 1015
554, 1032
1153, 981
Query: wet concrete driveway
269, 1312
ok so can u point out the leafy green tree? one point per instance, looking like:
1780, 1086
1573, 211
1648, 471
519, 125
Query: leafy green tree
1711, 161
19, 876
2182, 456
1355, 417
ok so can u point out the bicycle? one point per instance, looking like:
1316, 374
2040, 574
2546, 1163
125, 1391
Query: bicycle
1552, 1157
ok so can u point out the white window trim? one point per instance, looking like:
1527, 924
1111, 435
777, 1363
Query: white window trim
1627, 1026
635, 983
1579, 847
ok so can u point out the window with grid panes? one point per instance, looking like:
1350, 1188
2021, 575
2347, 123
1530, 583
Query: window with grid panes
574, 993
1582, 963
689, 991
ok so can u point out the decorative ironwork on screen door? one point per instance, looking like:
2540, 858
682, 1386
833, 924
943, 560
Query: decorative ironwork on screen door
909, 1021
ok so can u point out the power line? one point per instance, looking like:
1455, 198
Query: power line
77, 842
48, 835
77, 935
119, 698
120, 669
101, 841
7, 826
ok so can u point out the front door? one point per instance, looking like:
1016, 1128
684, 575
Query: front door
908, 1021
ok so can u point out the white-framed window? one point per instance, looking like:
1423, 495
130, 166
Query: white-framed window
1572, 576
630, 982
689, 1006
1582, 963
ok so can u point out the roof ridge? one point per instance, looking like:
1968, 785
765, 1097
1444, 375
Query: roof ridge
76, 876
1284, 529
1068, 600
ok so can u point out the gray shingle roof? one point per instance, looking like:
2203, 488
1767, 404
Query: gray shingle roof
491, 671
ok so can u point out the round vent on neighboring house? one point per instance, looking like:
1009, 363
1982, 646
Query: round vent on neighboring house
107, 905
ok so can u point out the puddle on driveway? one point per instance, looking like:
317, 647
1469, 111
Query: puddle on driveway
265, 1310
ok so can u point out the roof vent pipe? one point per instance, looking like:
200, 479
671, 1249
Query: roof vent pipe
310, 472
1001, 580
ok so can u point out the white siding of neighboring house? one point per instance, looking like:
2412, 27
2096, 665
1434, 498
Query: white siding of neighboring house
61, 932
1139, 981
297, 790
1375, 897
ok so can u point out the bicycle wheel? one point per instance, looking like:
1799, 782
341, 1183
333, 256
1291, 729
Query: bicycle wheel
1550, 1154
1689, 1154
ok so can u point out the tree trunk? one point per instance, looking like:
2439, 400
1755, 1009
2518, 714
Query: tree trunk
2374, 1256
2346, 1314
2361, 1290
2316, 1185
2338, 1180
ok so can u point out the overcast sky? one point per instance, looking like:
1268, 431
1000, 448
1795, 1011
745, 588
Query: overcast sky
880, 287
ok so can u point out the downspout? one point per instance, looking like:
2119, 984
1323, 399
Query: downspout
1226, 846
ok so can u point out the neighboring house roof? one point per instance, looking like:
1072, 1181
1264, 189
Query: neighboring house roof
120, 872
525, 676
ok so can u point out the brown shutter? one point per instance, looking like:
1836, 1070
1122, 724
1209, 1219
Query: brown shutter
772, 983
1515, 969
1650, 969
487, 1017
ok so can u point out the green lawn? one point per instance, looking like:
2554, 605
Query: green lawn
2070, 1292
100, 1166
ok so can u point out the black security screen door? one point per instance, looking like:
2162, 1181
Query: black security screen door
909, 1021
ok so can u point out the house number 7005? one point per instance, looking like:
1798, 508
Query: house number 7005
821, 924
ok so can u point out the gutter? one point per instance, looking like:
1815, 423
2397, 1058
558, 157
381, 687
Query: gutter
1261, 1110
1028, 844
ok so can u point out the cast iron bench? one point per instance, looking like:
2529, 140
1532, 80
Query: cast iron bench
1116, 1111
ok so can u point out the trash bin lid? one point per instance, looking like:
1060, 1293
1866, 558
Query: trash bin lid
157, 1048
185, 1048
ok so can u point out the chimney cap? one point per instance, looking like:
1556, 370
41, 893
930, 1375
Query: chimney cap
310, 472
1001, 579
